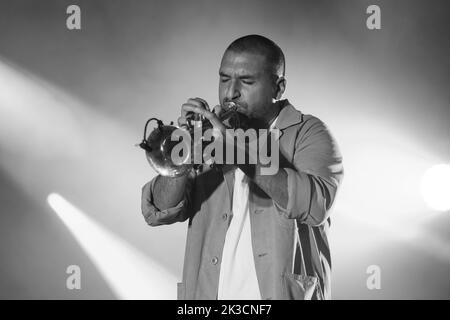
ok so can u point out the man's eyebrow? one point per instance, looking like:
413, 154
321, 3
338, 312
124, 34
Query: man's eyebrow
247, 76
243, 76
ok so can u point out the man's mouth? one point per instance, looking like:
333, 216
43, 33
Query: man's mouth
240, 108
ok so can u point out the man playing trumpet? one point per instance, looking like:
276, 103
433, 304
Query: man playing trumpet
253, 235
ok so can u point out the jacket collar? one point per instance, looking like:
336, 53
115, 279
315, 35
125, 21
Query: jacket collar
288, 116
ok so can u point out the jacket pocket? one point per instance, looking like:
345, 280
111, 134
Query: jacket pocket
181, 291
298, 287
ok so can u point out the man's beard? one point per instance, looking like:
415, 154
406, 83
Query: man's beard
244, 120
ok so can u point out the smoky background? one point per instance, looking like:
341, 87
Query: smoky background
74, 102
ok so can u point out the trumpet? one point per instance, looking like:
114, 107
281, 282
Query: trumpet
158, 144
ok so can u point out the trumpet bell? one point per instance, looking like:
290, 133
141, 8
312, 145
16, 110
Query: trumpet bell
158, 152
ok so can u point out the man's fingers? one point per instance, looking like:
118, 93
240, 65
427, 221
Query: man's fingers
199, 102
205, 104
187, 107
194, 102
212, 117
182, 121
218, 110
200, 106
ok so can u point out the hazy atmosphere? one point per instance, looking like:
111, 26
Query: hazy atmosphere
73, 104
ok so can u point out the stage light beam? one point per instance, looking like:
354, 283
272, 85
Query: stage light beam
129, 273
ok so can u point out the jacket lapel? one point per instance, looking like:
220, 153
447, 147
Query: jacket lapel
228, 173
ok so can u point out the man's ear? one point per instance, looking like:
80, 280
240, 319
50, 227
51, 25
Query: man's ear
280, 86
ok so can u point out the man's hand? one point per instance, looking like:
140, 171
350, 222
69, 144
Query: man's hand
201, 107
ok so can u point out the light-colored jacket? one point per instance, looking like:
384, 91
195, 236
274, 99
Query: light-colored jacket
290, 246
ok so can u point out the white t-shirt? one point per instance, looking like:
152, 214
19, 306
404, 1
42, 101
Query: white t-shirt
237, 278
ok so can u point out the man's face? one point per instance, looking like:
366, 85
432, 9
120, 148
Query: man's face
245, 78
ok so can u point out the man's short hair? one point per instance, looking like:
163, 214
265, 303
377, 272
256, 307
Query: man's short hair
257, 44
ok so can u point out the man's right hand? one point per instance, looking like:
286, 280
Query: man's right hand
200, 106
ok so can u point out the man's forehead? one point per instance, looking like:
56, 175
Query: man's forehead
242, 63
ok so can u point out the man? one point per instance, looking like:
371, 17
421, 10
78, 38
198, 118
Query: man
255, 236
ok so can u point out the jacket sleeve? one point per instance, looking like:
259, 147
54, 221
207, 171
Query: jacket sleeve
155, 217
316, 174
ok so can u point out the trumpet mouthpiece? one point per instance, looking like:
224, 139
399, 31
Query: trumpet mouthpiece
230, 105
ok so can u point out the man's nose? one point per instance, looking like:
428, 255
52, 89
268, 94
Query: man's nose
233, 90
